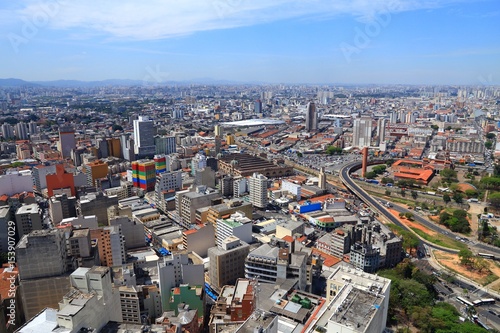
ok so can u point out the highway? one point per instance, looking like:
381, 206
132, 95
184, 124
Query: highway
375, 204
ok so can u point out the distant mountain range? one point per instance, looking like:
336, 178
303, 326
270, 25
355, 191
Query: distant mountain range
12, 82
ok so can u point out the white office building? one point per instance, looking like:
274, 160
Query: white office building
258, 190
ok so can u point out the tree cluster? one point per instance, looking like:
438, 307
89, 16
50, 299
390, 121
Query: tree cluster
332, 150
413, 303
456, 222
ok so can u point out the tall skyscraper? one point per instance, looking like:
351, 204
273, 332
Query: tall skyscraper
258, 190
144, 140
67, 141
381, 130
362, 132
311, 117
257, 107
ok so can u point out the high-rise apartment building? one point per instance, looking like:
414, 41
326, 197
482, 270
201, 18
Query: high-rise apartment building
7, 131
111, 245
95, 170
21, 131
311, 117
67, 141
258, 190
362, 132
165, 145
381, 130
144, 140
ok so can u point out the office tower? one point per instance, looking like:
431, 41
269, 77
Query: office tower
111, 245
7, 131
311, 117
227, 262
67, 141
198, 162
114, 147
61, 207
226, 185
144, 174
381, 130
144, 140
187, 203
165, 145
258, 190
21, 131
95, 170
28, 218
127, 147
257, 106
362, 132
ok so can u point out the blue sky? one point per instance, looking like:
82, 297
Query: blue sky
277, 41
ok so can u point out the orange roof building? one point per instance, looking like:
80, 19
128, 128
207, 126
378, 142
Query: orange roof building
61, 179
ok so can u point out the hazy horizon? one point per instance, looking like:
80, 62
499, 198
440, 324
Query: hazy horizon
406, 42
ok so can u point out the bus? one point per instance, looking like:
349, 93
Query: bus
486, 255
484, 301
464, 301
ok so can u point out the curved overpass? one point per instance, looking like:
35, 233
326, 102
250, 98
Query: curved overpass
369, 200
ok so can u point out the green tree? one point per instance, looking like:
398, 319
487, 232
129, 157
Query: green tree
494, 200
410, 241
490, 136
388, 193
448, 175
446, 198
466, 257
403, 193
409, 216
458, 197
471, 193
299, 154
332, 150
488, 144
370, 175
414, 195
387, 180
435, 127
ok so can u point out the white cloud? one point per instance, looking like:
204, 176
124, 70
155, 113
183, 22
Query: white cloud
158, 19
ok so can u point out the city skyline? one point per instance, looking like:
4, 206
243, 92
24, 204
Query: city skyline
296, 42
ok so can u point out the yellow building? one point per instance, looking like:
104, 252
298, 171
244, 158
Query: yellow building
95, 170
114, 147
230, 139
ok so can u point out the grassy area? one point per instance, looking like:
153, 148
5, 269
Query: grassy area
488, 279
441, 240
392, 199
